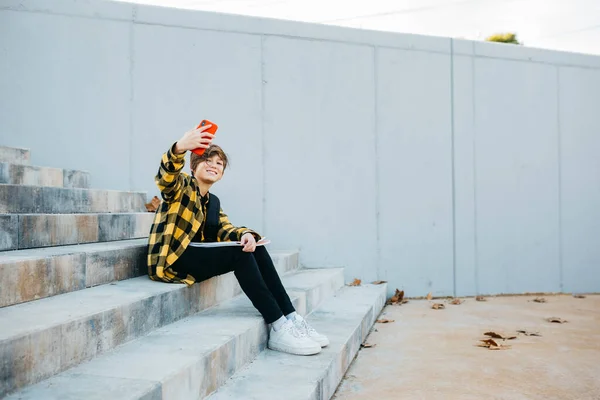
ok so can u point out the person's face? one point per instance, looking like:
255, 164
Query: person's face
210, 170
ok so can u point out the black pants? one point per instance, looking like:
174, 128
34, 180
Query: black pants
254, 271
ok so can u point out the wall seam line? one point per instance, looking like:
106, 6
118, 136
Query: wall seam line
560, 216
262, 133
131, 94
453, 167
377, 169
474, 150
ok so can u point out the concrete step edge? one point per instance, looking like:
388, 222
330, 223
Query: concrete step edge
32, 175
23, 199
26, 230
15, 155
50, 335
54, 251
77, 189
346, 320
226, 337
35, 274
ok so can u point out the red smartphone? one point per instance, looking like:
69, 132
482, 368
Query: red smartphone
212, 129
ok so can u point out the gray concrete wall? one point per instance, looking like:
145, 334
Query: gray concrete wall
440, 165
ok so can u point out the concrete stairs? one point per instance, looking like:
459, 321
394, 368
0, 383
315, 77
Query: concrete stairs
79, 318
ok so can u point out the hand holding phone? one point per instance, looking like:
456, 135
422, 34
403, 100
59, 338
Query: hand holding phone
196, 140
212, 128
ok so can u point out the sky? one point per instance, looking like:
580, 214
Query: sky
568, 25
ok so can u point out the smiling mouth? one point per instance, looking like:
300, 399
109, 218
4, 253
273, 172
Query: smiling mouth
211, 173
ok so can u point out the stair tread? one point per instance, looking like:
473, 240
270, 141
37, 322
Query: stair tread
273, 373
44, 252
76, 189
54, 311
42, 167
56, 200
167, 351
32, 175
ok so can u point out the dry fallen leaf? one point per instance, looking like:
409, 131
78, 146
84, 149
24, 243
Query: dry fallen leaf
456, 301
539, 300
153, 205
528, 333
385, 321
429, 296
501, 347
438, 306
579, 296
488, 342
499, 335
368, 345
398, 296
556, 319
492, 344
480, 298
379, 283
355, 282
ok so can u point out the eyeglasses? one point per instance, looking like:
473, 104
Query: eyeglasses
215, 164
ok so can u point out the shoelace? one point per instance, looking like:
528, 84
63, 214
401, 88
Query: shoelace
307, 328
294, 331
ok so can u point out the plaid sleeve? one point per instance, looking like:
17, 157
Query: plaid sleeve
230, 233
168, 178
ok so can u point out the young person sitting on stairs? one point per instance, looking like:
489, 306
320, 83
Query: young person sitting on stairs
189, 213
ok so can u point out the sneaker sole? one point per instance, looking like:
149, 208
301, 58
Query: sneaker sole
294, 350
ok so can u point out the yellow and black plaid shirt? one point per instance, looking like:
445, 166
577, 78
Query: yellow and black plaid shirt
178, 220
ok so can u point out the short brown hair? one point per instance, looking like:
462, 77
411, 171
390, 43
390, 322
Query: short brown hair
213, 150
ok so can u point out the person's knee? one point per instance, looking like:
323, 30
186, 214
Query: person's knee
261, 251
245, 259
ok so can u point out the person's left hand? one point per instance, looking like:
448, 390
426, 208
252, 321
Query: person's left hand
248, 242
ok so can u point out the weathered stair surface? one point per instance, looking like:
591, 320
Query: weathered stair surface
42, 338
14, 155
19, 174
185, 360
345, 319
20, 199
26, 231
27, 275
302, 284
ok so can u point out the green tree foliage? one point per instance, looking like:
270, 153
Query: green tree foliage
503, 38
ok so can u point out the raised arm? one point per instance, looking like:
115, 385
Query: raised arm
168, 178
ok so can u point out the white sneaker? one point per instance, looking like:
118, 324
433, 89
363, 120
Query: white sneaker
289, 340
309, 331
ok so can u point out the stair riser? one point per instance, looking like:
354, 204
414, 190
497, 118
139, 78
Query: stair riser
14, 156
43, 230
337, 369
219, 365
288, 263
38, 355
16, 174
42, 354
16, 199
346, 319
316, 296
32, 279
9, 232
